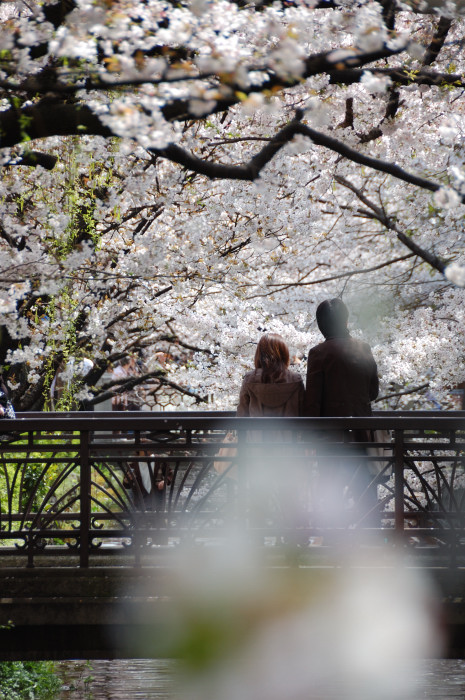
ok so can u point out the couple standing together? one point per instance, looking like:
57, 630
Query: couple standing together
342, 377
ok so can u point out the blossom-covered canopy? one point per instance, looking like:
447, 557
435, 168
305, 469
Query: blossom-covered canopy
179, 177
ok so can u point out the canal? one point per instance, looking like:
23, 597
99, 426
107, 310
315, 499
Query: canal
135, 679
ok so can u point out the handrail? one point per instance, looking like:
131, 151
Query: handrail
143, 420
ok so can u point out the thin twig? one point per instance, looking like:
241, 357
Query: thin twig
415, 390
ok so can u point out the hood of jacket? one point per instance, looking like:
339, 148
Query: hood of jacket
273, 395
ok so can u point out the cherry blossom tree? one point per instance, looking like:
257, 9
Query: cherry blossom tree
179, 177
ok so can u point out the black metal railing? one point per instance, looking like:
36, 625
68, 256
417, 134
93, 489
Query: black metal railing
80, 486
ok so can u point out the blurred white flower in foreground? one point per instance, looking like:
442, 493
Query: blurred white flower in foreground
248, 631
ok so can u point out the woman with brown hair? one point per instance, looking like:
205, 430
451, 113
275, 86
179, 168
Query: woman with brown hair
271, 389
272, 463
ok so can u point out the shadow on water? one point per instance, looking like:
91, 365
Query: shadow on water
142, 679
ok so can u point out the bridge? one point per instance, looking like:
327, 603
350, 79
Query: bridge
94, 509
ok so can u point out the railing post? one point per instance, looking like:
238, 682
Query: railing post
243, 486
85, 487
399, 522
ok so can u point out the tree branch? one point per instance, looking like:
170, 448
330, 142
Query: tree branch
349, 115
402, 76
379, 214
415, 390
121, 316
122, 385
51, 117
251, 170
352, 273
375, 163
48, 118
183, 390
174, 338
67, 119
425, 255
389, 13
330, 62
235, 248
437, 41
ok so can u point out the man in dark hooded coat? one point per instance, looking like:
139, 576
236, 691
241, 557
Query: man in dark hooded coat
342, 377
342, 380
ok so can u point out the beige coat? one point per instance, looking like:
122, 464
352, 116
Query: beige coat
271, 400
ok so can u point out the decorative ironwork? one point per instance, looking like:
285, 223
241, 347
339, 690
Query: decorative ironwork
88, 485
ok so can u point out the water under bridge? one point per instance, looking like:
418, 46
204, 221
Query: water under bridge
86, 561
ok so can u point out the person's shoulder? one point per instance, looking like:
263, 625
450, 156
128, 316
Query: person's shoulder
315, 349
362, 344
250, 377
293, 376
